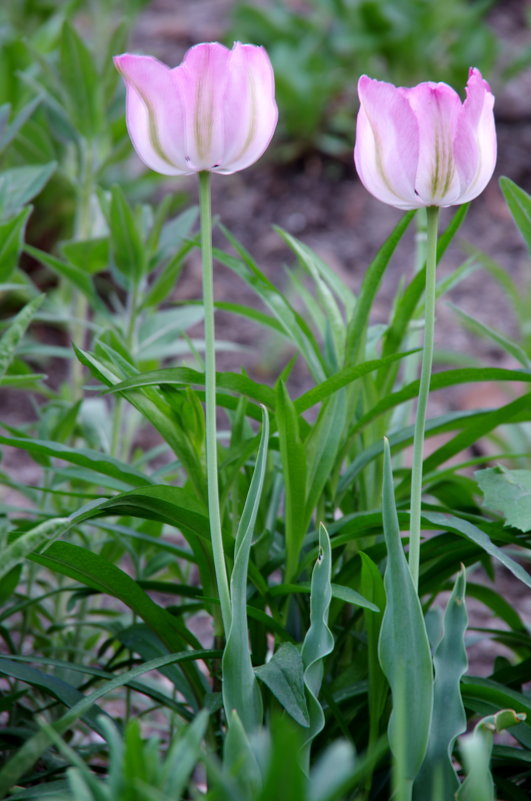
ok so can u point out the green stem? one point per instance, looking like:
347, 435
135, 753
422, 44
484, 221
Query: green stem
210, 401
424, 389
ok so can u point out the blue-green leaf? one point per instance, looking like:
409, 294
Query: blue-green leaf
449, 718
283, 675
240, 687
319, 641
404, 649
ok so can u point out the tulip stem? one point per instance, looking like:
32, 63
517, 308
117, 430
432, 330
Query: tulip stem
210, 401
424, 389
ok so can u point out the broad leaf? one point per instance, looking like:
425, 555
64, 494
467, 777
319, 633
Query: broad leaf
508, 492
283, 675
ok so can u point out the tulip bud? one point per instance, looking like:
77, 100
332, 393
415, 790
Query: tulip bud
422, 146
214, 112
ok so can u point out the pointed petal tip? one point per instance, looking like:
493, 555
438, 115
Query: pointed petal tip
475, 77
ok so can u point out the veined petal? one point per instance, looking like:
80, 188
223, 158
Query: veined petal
436, 107
154, 113
249, 109
200, 81
475, 138
387, 144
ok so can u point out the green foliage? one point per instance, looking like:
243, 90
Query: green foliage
110, 618
508, 492
403, 647
318, 48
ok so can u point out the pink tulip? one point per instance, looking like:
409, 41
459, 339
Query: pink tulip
422, 146
214, 112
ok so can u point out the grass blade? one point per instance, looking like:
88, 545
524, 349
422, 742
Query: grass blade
32, 749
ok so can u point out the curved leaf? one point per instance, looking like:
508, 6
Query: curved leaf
319, 641
437, 777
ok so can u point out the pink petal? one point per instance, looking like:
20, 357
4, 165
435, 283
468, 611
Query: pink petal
201, 82
387, 146
437, 108
249, 109
475, 138
154, 113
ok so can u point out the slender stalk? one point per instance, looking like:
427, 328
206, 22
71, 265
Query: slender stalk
210, 401
404, 413
424, 389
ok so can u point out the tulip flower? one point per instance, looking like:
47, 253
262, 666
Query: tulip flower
422, 146
215, 112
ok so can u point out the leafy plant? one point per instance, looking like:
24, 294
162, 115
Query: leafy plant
117, 680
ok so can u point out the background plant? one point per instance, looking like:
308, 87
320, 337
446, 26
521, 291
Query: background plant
320, 47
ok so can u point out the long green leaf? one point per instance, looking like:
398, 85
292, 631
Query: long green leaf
372, 587
184, 376
447, 522
319, 640
81, 82
322, 447
357, 326
149, 690
519, 202
11, 242
481, 421
17, 328
79, 278
489, 332
94, 571
19, 185
58, 688
127, 248
84, 457
294, 461
241, 692
406, 306
30, 541
437, 777
159, 414
175, 506
36, 745
184, 756
472, 433
293, 324
283, 674
441, 380
404, 649
327, 284
341, 379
